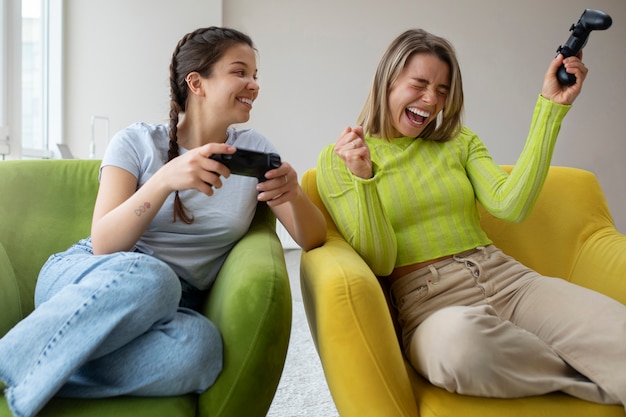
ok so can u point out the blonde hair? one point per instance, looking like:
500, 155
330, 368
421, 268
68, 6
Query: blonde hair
375, 116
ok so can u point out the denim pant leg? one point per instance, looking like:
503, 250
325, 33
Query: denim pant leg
177, 357
96, 317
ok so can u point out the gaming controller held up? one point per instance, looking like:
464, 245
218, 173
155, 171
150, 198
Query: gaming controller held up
590, 20
249, 163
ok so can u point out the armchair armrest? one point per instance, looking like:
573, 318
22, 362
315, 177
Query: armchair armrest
250, 303
353, 330
9, 294
601, 264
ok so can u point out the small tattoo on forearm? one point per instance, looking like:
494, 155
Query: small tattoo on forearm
142, 209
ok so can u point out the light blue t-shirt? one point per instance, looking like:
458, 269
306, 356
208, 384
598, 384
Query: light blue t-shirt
195, 251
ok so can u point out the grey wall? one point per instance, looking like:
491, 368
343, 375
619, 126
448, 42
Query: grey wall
317, 60
117, 55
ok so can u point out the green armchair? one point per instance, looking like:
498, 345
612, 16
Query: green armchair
45, 206
569, 234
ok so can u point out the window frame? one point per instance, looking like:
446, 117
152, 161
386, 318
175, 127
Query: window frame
5, 22
11, 79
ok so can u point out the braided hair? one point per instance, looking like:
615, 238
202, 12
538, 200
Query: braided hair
197, 52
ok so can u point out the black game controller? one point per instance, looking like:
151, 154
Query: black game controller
249, 163
590, 20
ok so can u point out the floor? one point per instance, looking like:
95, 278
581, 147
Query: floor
302, 391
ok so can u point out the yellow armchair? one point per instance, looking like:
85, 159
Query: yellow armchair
569, 234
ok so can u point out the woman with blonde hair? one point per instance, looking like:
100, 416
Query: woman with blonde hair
402, 188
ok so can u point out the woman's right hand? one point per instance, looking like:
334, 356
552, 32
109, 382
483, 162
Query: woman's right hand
121, 206
352, 149
195, 170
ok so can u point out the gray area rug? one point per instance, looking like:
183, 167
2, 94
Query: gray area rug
302, 390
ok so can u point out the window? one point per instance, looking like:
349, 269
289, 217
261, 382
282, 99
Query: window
5, 149
41, 77
34, 136
31, 59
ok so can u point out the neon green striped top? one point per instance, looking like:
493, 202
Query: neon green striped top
420, 203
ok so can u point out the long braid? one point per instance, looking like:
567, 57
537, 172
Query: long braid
197, 51
178, 95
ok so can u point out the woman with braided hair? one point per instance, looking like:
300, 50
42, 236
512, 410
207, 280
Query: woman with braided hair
132, 296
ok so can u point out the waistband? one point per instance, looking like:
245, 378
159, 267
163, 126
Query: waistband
402, 284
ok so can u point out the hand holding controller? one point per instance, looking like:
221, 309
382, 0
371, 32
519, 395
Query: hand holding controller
590, 20
249, 163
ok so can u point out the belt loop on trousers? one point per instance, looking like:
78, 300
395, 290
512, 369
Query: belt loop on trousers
435, 274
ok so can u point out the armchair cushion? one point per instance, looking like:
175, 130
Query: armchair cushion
569, 234
45, 206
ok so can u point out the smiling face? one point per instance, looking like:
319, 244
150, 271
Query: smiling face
232, 86
418, 94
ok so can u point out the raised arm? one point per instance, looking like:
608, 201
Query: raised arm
354, 204
512, 197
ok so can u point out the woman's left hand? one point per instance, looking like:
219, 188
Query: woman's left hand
280, 186
302, 219
564, 94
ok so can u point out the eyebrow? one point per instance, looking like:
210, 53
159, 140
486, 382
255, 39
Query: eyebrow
242, 63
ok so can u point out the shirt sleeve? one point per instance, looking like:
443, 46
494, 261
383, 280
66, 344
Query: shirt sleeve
511, 197
355, 207
140, 149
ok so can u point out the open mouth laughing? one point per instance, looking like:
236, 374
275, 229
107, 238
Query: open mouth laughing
416, 116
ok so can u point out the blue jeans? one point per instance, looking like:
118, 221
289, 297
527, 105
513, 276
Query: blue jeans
106, 326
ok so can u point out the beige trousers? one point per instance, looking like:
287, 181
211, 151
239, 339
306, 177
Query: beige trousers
483, 324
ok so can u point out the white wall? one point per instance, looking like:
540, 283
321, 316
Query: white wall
317, 59
117, 62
